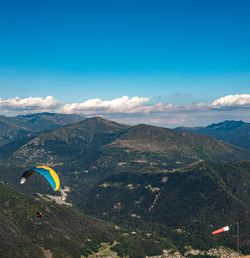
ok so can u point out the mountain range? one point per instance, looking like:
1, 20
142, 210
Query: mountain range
176, 185
94, 140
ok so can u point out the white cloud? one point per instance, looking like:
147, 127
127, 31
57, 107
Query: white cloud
239, 100
118, 105
29, 104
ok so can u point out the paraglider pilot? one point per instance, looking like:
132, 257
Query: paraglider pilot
38, 214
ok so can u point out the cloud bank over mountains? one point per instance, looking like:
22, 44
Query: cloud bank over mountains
135, 110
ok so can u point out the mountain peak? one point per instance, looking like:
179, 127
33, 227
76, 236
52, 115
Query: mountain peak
226, 125
100, 121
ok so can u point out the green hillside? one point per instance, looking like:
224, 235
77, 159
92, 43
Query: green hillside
63, 231
192, 201
171, 189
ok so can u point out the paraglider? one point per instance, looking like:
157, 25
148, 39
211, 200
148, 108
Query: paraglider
47, 172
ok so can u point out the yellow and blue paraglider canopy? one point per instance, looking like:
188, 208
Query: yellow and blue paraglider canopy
47, 172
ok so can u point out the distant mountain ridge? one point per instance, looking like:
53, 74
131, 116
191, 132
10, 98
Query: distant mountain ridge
234, 132
12, 128
88, 140
47, 121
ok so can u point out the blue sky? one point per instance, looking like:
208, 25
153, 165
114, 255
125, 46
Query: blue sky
174, 52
